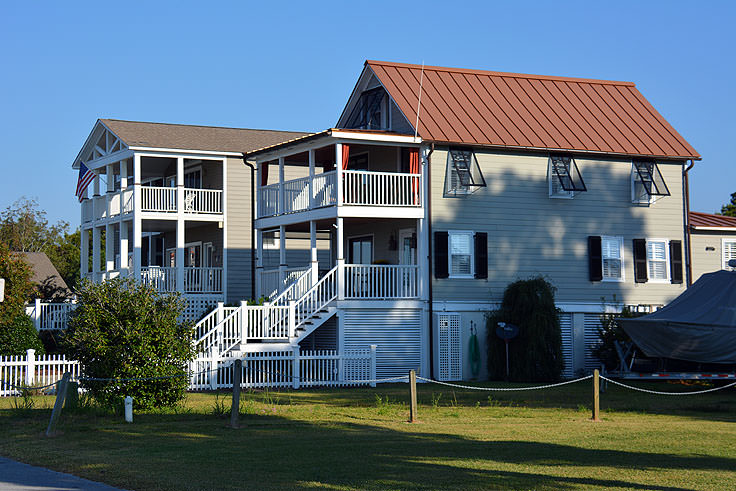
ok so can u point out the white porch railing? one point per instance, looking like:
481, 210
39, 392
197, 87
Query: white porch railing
99, 205
31, 370
296, 195
87, 214
161, 279
196, 280
378, 281
287, 368
202, 201
50, 316
316, 298
298, 281
381, 188
272, 287
324, 189
158, 199
268, 200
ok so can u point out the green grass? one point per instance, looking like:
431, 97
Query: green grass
358, 438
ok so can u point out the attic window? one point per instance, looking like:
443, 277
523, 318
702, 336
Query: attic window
647, 182
463, 174
368, 111
564, 177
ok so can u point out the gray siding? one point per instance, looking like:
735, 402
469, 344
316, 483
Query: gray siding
705, 261
238, 223
530, 234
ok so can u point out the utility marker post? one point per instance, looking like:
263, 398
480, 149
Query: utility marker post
60, 395
596, 395
412, 396
235, 408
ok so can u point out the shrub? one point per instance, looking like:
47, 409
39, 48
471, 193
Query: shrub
18, 336
536, 353
122, 329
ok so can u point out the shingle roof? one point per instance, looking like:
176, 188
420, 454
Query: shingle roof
45, 274
707, 220
190, 137
476, 107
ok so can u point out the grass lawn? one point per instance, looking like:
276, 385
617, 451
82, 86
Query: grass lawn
358, 438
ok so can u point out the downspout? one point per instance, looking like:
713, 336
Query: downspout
252, 227
688, 246
430, 296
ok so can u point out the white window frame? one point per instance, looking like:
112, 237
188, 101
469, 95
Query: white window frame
620, 241
668, 274
724, 259
470, 234
552, 181
634, 179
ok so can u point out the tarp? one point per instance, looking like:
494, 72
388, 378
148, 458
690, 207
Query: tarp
699, 325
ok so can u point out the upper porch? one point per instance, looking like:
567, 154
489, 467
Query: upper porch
339, 173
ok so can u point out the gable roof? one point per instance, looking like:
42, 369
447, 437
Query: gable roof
45, 275
706, 221
191, 137
476, 107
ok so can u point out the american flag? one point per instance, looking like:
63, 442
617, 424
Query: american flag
85, 177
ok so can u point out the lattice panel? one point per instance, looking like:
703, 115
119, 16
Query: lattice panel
199, 305
450, 347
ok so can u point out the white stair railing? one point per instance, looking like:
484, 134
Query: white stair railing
296, 288
316, 298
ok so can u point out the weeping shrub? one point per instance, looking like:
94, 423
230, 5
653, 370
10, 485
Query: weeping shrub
536, 353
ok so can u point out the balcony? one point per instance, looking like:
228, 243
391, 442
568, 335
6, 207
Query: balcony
196, 280
360, 188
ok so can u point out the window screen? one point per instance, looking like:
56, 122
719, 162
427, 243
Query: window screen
611, 251
461, 253
657, 260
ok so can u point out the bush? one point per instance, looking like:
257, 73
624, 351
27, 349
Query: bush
122, 329
536, 353
18, 336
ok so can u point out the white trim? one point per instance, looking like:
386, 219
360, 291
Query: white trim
187, 151
550, 179
620, 240
470, 233
668, 276
717, 229
224, 232
348, 135
454, 306
724, 260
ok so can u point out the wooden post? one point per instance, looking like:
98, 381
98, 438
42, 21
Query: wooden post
72, 396
373, 365
60, 395
412, 396
235, 408
295, 372
596, 395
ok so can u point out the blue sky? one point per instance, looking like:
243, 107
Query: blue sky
291, 66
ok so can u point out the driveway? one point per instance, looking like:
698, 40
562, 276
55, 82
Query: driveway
15, 476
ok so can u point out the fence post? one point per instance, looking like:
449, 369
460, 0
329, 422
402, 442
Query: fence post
295, 372
37, 315
213, 367
58, 404
292, 319
243, 322
235, 407
596, 395
220, 311
412, 396
30, 367
373, 365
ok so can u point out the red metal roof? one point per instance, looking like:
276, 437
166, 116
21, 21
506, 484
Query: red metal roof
700, 220
476, 107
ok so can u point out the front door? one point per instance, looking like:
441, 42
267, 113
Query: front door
357, 279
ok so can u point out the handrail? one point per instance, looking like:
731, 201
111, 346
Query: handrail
302, 282
316, 298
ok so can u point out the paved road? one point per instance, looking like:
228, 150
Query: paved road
15, 476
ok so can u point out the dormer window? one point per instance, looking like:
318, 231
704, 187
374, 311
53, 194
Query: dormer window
647, 183
369, 113
463, 175
564, 177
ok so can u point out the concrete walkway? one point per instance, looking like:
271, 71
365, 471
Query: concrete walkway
15, 476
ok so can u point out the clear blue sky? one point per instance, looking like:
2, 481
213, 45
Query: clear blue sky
291, 66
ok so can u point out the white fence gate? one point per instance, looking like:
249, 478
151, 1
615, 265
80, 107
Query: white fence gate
33, 371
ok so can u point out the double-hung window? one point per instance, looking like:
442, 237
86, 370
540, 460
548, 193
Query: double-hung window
461, 254
729, 253
612, 258
658, 260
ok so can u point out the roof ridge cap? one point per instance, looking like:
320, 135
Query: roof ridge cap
202, 126
502, 74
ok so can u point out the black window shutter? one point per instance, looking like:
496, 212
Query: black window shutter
640, 261
440, 254
676, 261
481, 255
595, 258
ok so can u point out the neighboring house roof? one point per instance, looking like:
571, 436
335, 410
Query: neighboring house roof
45, 275
190, 137
476, 107
707, 221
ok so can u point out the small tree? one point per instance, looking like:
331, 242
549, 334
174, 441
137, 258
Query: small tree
729, 209
17, 333
536, 353
122, 329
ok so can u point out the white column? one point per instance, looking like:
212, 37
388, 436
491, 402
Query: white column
313, 250
338, 171
110, 176
122, 224
257, 186
123, 174
422, 260
282, 197
180, 232
282, 257
259, 263
84, 253
311, 179
340, 259
96, 184
109, 247
96, 242
137, 219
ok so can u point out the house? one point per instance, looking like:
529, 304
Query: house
712, 242
436, 188
174, 205
48, 282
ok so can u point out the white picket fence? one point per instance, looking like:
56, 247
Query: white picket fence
33, 371
50, 316
287, 368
